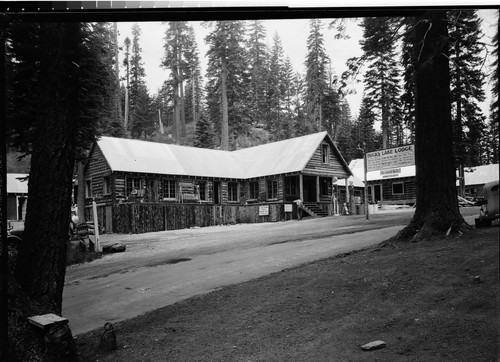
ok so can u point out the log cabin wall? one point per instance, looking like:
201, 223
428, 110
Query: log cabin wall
96, 171
332, 167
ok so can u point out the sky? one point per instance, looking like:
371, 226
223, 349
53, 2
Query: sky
293, 34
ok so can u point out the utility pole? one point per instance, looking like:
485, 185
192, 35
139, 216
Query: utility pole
366, 186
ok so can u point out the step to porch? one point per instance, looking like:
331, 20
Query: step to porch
317, 210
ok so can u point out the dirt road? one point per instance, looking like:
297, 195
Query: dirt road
165, 267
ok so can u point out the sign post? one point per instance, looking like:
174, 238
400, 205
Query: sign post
96, 227
365, 161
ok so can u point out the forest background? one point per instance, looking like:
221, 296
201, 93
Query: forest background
287, 78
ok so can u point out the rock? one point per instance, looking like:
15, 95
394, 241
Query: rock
477, 279
114, 248
373, 345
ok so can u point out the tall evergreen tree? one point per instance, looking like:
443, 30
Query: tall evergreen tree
437, 206
227, 74
382, 76
275, 95
409, 59
316, 79
467, 80
258, 72
363, 131
64, 107
493, 145
194, 81
288, 94
300, 125
204, 136
141, 114
181, 58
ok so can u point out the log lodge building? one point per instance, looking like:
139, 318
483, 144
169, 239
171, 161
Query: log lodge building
142, 186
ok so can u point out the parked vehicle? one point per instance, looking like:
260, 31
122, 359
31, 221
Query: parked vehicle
490, 206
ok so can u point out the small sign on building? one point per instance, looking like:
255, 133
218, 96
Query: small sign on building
264, 210
288, 207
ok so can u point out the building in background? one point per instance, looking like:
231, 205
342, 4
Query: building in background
17, 196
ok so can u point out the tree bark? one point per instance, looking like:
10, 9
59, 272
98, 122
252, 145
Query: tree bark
41, 264
437, 204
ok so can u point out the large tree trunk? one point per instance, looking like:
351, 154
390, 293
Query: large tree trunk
437, 205
41, 264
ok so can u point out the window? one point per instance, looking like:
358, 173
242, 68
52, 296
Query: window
272, 189
107, 185
133, 185
292, 186
168, 189
398, 188
324, 186
325, 153
232, 191
88, 188
202, 187
254, 190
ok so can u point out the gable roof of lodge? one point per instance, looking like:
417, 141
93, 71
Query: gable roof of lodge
282, 157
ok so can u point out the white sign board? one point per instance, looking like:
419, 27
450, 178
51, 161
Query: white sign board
391, 158
264, 210
288, 207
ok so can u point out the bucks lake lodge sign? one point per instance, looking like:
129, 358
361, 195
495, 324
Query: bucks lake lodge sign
390, 160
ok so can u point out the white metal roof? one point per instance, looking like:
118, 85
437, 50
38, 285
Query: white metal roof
15, 185
274, 158
479, 175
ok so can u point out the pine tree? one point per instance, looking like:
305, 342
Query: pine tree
194, 90
363, 131
227, 85
204, 136
409, 59
288, 93
316, 75
141, 115
257, 59
181, 58
275, 94
492, 145
300, 124
467, 80
382, 76
437, 205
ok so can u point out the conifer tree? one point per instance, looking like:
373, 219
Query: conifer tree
316, 75
258, 73
227, 74
493, 146
204, 136
288, 90
467, 80
381, 79
141, 114
276, 91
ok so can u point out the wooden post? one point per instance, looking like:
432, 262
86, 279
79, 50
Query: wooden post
96, 227
347, 194
366, 186
301, 186
317, 188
